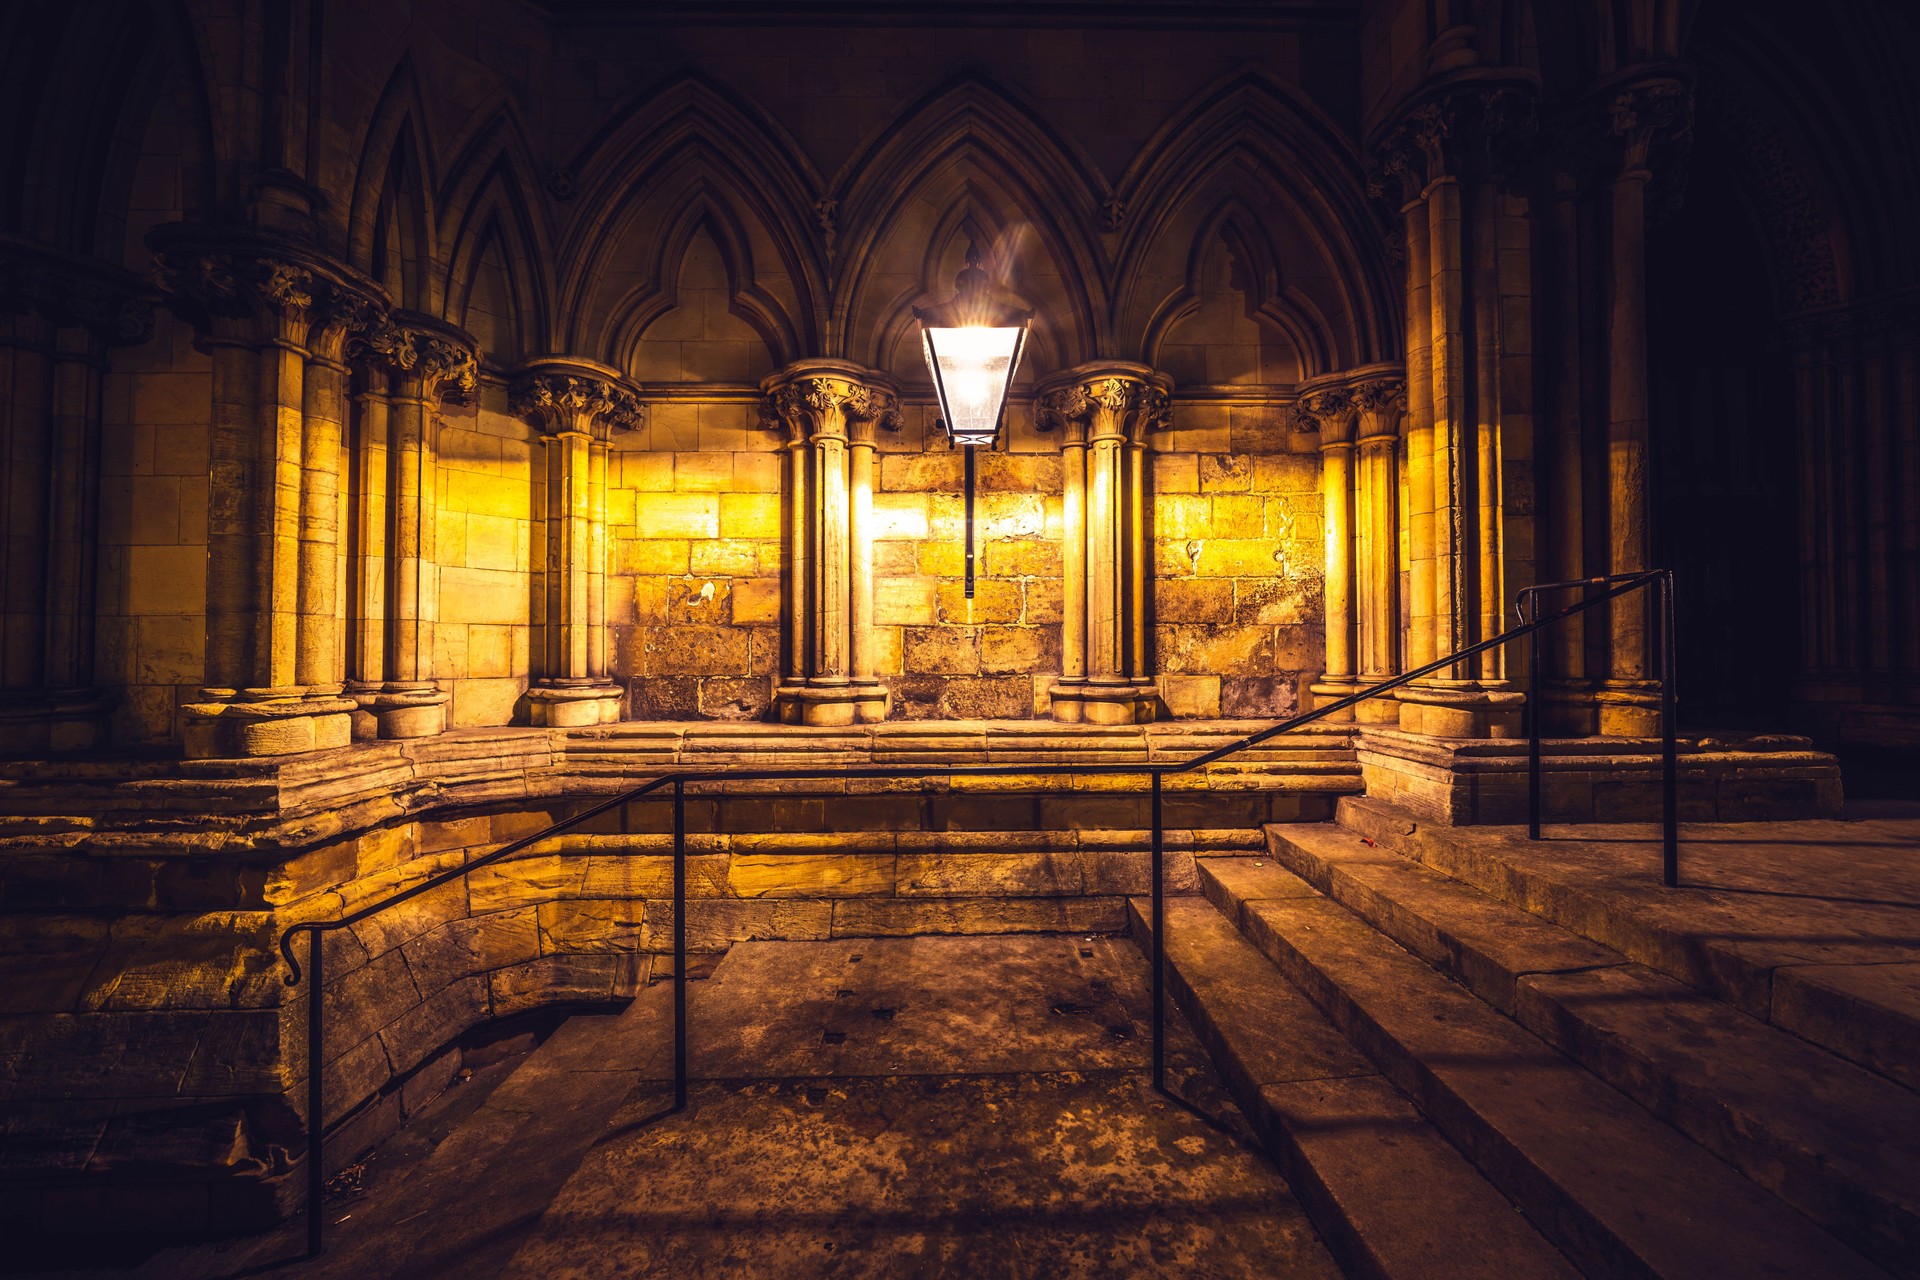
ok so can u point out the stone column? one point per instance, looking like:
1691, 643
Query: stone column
1629, 697
1073, 560
829, 409
1456, 136
1380, 397
317, 664
256, 313
1566, 704
576, 405
429, 359
368, 514
1112, 407
860, 552
1329, 409
58, 318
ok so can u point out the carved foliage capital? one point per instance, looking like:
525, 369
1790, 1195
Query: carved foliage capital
830, 406
559, 403
1105, 405
1381, 404
1331, 411
1469, 129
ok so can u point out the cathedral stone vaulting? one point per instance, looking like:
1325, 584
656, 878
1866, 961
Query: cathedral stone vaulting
424, 421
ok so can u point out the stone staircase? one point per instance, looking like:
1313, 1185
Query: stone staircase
1435, 1027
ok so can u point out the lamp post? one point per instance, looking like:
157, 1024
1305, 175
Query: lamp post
973, 343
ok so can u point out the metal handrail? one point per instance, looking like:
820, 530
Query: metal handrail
1616, 586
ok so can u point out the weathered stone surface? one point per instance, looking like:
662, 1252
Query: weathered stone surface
714, 924
960, 875
822, 875
523, 882
899, 917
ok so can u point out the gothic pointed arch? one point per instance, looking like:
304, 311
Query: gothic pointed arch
969, 144
703, 216
1249, 142
492, 219
1295, 332
391, 226
692, 142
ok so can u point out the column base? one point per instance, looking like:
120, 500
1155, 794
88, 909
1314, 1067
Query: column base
1333, 688
1627, 708
406, 710
569, 706
1105, 703
53, 723
235, 723
1567, 709
1459, 711
831, 704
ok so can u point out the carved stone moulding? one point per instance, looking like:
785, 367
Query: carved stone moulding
243, 284
833, 398
560, 395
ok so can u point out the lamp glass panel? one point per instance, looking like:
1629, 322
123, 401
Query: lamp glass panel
971, 368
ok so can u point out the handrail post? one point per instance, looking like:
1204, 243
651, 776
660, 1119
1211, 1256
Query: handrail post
1532, 710
316, 1099
1669, 749
679, 944
1159, 944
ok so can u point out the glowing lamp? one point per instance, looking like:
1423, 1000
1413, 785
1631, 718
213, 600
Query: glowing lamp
973, 343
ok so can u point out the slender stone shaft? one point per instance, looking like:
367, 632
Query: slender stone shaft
1488, 561
1627, 421
1336, 488
318, 665
1073, 625
596, 615
1105, 565
1421, 592
833, 569
1565, 471
410, 553
1379, 579
1137, 552
860, 553
367, 571
1449, 414
799, 557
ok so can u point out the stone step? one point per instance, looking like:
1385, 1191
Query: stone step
1621, 1192
1842, 972
1389, 1194
1819, 1132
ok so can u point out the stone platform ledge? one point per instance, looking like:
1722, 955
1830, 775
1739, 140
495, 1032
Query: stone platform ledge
1478, 781
258, 806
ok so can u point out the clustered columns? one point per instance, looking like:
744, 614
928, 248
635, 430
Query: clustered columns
275, 326
1359, 411
829, 410
1443, 162
576, 405
406, 364
1594, 483
58, 318
1105, 412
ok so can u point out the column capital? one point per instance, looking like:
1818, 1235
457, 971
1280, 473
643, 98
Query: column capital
1380, 397
1476, 122
1327, 406
116, 306
244, 285
830, 399
1104, 400
563, 395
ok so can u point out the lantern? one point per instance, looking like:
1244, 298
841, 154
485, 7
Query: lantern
973, 343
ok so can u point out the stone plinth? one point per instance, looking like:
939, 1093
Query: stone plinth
563, 705
265, 722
